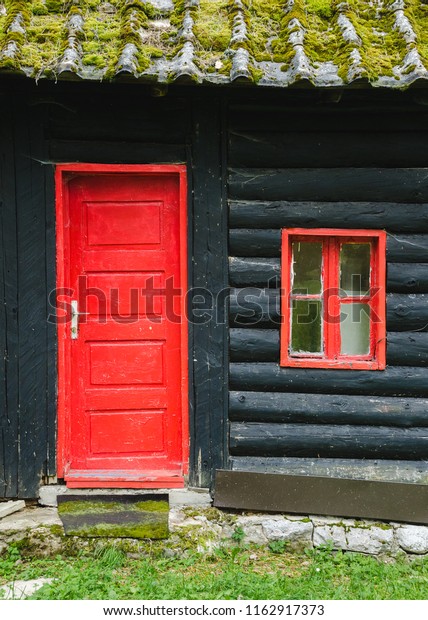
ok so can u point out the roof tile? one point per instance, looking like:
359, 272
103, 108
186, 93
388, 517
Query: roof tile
266, 42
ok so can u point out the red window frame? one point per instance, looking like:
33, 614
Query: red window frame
376, 300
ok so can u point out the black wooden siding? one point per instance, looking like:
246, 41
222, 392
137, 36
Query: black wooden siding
48, 124
356, 163
28, 340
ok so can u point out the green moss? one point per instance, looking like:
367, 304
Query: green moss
264, 25
15, 8
321, 8
212, 26
83, 507
101, 35
418, 16
256, 74
97, 507
56, 530
192, 537
152, 506
379, 52
43, 43
133, 20
178, 13
131, 530
40, 8
361, 525
94, 60
55, 6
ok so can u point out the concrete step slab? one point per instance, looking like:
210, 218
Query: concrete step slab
8, 508
30, 518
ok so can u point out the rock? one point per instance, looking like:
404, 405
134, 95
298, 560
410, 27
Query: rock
373, 540
368, 539
252, 528
292, 531
330, 534
8, 508
22, 589
253, 534
413, 538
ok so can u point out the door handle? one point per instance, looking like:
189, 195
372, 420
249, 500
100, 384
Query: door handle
75, 319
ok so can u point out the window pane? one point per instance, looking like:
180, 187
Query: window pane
355, 329
355, 268
306, 333
306, 268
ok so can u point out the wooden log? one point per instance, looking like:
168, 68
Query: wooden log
407, 312
354, 469
406, 185
328, 441
395, 217
261, 307
407, 248
259, 242
407, 278
255, 242
308, 117
262, 345
266, 272
259, 345
288, 149
254, 271
407, 349
269, 377
327, 409
258, 307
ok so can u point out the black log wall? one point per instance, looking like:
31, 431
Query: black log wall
256, 163
357, 163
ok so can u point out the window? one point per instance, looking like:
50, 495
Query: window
333, 298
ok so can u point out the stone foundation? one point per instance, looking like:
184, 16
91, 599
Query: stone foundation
212, 528
207, 528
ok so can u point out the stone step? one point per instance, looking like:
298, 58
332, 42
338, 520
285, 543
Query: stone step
48, 494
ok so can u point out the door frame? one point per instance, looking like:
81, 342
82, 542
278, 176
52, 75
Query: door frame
64, 172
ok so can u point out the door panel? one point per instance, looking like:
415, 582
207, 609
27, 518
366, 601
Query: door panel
126, 363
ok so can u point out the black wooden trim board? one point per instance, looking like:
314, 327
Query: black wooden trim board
391, 501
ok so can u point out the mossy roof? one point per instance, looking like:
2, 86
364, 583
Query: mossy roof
265, 42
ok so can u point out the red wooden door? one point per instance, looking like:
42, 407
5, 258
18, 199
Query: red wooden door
126, 385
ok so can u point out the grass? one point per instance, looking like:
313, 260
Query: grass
109, 572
